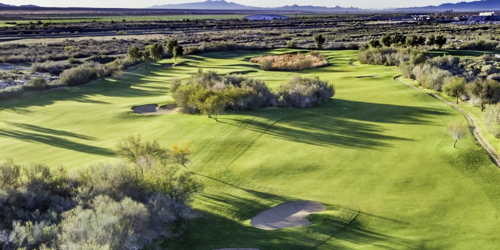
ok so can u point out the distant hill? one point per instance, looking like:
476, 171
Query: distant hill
224, 5
482, 5
209, 5
21, 6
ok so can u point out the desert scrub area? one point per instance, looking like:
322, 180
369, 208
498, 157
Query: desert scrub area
382, 147
290, 62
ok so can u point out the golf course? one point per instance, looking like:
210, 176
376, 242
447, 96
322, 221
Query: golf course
377, 155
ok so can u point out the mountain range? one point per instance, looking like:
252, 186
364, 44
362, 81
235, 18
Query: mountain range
224, 5
480, 5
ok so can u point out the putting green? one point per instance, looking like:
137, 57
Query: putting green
377, 156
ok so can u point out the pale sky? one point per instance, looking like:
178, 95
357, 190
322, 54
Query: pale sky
257, 3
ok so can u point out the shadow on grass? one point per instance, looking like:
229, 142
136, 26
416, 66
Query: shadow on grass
339, 123
43, 130
56, 142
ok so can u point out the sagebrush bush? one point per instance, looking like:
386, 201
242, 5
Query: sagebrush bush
304, 92
51, 67
291, 62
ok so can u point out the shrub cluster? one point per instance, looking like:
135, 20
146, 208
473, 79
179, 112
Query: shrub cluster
211, 94
52, 67
291, 62
304, 92
136, 205
383, 56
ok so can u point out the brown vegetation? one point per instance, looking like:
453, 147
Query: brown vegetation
290, 62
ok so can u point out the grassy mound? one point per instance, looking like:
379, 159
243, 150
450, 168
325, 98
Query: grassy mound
290, 62
377, 156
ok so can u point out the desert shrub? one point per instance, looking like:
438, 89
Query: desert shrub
78, 75
102, 59
291, 62
51, 67
430, 77
210, 93
383, 56
304, 92
479, 45
91, 71
44, 207
11, 92
36, 84
492, 119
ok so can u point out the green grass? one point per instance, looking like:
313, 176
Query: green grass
377, 155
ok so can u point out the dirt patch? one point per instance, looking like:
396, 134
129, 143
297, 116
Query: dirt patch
352, 63
287, 215
154, 109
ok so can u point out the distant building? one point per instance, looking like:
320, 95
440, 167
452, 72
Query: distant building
485, 16
265, 17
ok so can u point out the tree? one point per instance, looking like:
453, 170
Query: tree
133, 149
431, 40
213, 105
457, 130
440, 41
171, 44
374, 43
178, 52
386, 40
155, 51
134, 53
319, 40
398, 39
181, 154
413, 41
454, 86
486, 91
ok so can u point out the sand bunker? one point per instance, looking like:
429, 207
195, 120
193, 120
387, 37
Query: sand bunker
366, 76
286, 215
153, 109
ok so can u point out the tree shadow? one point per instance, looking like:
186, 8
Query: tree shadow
56, 142
49, 130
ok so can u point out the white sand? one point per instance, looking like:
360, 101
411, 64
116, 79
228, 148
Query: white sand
286, 215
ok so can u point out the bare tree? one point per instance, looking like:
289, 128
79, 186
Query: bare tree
457, 130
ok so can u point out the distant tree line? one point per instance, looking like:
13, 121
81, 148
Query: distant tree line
211, 94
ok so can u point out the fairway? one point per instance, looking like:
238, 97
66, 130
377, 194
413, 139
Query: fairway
377, 156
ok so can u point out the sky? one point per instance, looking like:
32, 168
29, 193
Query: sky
257, 3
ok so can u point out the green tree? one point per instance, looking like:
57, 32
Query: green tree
171, 44
319, 40
431, 40
454, 86
486, 91
386, 40
457, 130
178, 52
374, 43
398, 39
440, 41
155, 51
213, 105
134, 53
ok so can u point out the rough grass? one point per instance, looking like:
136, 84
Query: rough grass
290, 62
377, 156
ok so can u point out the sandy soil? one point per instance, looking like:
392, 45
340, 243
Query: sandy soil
286, 215
153, 109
